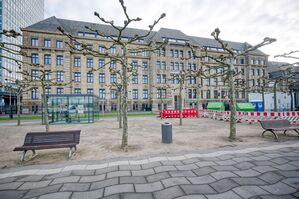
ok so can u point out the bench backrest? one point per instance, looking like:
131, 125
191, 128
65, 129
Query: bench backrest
272, 124
54, 137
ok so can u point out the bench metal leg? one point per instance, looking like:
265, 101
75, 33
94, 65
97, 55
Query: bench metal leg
23, 156
285, 132
296, 131
276, 138
33, 152
70, 152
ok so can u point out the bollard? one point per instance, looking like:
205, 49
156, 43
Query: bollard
166, 133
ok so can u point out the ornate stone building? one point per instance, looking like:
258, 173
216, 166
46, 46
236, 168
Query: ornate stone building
154, 87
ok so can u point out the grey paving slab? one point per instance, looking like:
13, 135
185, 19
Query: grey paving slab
226, 162
205, 163
83, 172
33, 178
149, 187
88, 194
122, 188
157, 177
151, 165
75, 187
225, 195
201, 179
249, 181
286, 167
169, 193
294, 182
106, 170
59, 195
187, 167
164, 168
223, 185
289, 174
279, 189
192, 197
278, 197
92, 178
10, 185
34, 185
137, 196
198, 189
223, 174
103, 183
8, 180
279, 160
65, 179
225, 168
264, 169
203, 171
271, 177
132, 179
118, 174
181, 173
42, 191
244, 165
13, 194
172, 163
175, 181
247, 173
249, 191
143, 172
129, 167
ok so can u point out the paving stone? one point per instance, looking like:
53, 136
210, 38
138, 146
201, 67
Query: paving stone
136, 196
92, 178
203, 171
181, 173
83, 172
34, 185
129, 180
292, 158
41, 191
151, 165
169, 193
244, 165
223, 174
88, 194
164, 168
249, 191
225, 168
58, 175
129, 167
257, 153
289, 174
59, 195
157, 177
278, 197
115, 196
106, 170
75, 187
271, 177
118, 174
264, 163
205, 163
65, 179
198, 189
144, 172
247, 173
7, 180
249, 181
273, 155
175, 181
295, 163
294, 182
279, 160
114, 189
201, 179
228, 195
226, 162
192, 197
190, 160
226, 157
296, 194
32, 178
264, 169
259, 158
286, 167
13, 194
209, 159
279, 189
223, 185
148, 187
173, 163
10, 185
104, 183
242, 159
187, 167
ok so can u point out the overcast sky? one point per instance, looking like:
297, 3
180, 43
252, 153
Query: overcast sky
238, 20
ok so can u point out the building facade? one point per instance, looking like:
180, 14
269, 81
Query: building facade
154, 86
15, 14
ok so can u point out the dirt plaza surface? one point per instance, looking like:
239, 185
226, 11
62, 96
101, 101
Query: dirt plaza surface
101, 140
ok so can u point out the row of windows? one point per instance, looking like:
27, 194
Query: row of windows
102, 93
175, 53
47, 59
47, 43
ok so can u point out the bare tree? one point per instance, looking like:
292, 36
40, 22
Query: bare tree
227, 62
127, 49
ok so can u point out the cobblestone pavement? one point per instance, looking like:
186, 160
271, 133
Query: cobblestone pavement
267, 171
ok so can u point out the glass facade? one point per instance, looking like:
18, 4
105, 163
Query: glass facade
81, 108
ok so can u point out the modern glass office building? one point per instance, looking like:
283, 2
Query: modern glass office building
15, 14
72, 108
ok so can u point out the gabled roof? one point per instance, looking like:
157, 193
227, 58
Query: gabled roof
75, 27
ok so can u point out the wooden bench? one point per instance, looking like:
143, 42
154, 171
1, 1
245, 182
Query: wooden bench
50, 140
277, 125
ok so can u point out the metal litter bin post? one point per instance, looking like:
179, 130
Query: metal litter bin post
166, 133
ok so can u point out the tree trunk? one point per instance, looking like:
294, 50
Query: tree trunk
45, 108
124, 144
263, 97
275, 97
198, 100
181, 102
232, 134
19, 108
292, 100
120, 110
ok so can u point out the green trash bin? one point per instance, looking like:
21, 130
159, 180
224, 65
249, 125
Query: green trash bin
245, 107
217, 106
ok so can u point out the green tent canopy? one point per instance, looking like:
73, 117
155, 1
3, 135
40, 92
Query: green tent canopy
245, 106
219, 106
